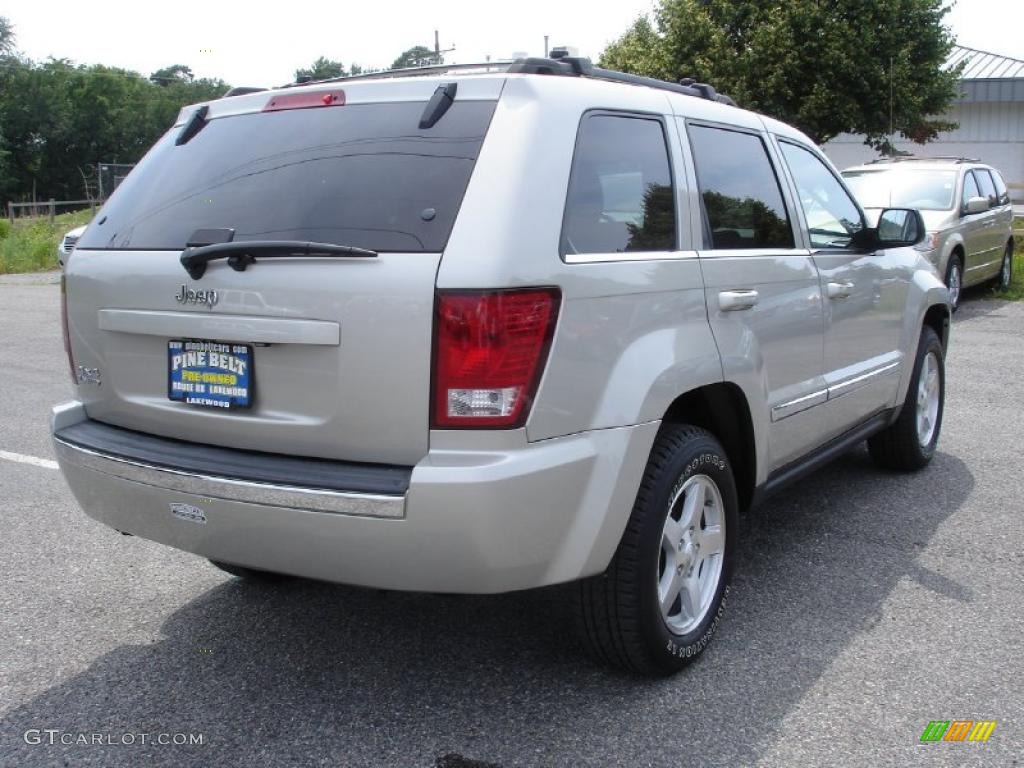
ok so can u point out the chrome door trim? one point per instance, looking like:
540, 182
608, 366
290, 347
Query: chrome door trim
723, 253
601, 258
856, 382
798, 405
998, 261
229, 489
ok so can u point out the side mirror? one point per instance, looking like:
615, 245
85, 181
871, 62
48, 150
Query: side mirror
977, 205
898, 228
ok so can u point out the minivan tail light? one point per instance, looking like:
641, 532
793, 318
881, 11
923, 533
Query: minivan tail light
490, 348
65, 332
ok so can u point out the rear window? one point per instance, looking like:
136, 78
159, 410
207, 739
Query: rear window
364, 175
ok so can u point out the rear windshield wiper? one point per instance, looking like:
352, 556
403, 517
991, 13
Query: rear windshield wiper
243, 253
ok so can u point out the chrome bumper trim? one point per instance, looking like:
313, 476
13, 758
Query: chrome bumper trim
228, 489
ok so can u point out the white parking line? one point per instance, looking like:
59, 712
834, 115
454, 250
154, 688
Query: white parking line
23, 459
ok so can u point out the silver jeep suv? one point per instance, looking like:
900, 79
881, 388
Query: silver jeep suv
487, 331
966, 209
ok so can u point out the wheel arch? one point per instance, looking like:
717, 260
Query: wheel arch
722, 409
937, 318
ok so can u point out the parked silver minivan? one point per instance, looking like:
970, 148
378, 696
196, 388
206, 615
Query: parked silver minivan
966, 209
478, 332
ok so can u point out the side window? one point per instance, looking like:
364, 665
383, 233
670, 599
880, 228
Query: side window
1001, 190
988, 189
970, 189
742, 199
832, 216
620, 191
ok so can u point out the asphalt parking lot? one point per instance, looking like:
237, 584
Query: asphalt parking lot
866, 604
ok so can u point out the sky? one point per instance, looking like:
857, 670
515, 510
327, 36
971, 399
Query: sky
262, 44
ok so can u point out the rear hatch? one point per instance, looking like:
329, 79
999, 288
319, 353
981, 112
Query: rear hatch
325, 356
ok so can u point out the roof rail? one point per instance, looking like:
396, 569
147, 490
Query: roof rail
582, 67
922, 159
570, 66
240, 90
430, 69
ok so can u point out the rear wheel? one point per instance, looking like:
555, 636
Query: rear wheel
250, 574
660, 601
955, 280
909, 443
1006, 271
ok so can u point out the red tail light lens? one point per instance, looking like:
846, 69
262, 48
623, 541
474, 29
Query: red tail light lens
64, 327
305, 100
489, 352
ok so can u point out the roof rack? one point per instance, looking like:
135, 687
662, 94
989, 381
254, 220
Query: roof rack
919, 159
558, 64
241, 90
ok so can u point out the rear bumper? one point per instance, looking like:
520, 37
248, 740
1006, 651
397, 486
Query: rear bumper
511, 517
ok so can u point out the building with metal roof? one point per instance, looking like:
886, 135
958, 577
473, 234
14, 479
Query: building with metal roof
989, 112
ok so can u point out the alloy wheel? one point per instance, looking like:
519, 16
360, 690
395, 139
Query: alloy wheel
928, 392
692, 553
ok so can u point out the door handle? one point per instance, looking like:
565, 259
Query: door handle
729, 301
839, 290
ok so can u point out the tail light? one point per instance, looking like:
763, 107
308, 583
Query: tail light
64, 327
489, 352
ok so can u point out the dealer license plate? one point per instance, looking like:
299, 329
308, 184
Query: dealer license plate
210, 373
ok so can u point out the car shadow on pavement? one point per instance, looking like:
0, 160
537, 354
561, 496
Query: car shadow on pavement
304, 673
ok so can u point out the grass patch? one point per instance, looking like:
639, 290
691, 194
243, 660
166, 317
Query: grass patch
1016, 290
30, 245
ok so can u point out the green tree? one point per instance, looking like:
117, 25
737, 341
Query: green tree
417, 56
174, 73
825, 67
6, 37
58, 119
322, 69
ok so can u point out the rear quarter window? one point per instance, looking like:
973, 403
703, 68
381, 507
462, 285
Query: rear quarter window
363, 175
620, 190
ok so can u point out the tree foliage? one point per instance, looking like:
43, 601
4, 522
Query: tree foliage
825, 67
6, 37
417, 56
58, 119
172, 74
322, 69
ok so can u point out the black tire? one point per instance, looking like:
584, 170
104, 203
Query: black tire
955, 263
1005, 277
899, 446
618, 613
250, 574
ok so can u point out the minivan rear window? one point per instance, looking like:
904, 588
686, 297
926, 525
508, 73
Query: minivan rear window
363, 175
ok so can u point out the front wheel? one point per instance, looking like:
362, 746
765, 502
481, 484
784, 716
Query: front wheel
909, 442
661, 599
955, 281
